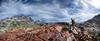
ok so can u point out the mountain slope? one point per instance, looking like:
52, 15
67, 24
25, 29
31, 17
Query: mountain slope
93, 25
18, 21
94, 21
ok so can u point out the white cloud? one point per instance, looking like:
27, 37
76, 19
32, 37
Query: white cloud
95, 3
50, 12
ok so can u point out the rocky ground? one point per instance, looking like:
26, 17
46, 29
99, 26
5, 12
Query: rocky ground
22, 28
51, 32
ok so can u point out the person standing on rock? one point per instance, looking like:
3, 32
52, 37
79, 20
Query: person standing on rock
73, 22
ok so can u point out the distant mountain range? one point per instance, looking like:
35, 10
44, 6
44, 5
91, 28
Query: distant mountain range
95, 21
18, 21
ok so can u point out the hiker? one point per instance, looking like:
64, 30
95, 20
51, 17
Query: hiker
72, 25
73, 22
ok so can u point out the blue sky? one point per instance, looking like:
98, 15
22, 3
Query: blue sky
51, 10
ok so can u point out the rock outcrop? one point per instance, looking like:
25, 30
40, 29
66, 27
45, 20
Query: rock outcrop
50, 32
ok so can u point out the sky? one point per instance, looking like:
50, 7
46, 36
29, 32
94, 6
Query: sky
51, 10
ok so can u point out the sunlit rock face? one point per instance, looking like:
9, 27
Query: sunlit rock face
51, 10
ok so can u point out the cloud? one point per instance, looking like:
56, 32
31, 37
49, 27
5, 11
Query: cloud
51, 11
94, 3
